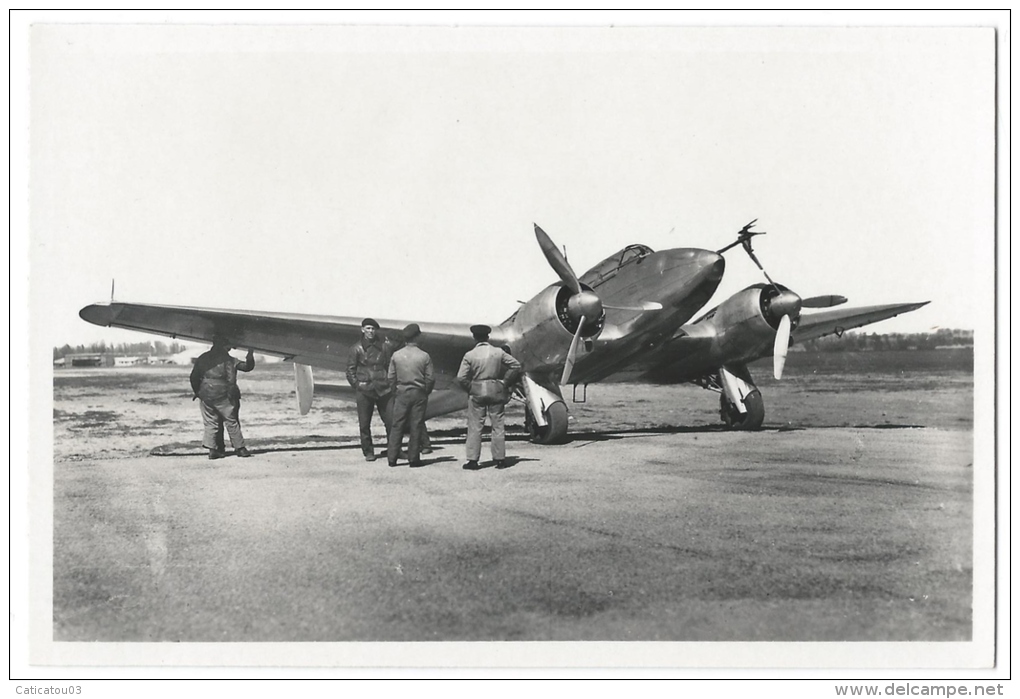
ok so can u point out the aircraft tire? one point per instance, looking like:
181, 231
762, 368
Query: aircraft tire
751, 420
556, 428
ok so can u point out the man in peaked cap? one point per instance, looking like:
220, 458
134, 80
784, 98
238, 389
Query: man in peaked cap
412, 379
367, 363
485, 373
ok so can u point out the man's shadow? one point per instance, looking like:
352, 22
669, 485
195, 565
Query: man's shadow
508, 463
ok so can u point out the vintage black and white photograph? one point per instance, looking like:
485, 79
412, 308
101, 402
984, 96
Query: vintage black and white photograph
512, 346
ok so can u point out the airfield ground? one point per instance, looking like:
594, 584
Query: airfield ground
847, 518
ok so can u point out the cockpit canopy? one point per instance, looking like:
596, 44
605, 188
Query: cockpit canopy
611, 266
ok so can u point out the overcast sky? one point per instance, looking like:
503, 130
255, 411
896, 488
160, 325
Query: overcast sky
396, 172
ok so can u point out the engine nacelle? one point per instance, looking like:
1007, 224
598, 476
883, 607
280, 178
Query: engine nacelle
541, 330
742, 328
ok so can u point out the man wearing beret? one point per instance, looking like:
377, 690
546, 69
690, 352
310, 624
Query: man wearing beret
214, 381
367, 363
486, 372
411, 378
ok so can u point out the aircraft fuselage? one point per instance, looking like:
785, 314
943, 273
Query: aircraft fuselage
681, 280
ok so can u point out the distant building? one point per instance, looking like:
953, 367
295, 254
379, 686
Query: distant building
130, 361
95, 359
101, 359
187, 357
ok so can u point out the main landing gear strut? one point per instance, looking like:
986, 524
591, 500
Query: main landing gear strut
749, 420
545, 413
740, 403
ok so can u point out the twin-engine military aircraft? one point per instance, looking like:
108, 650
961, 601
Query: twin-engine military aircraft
625, 319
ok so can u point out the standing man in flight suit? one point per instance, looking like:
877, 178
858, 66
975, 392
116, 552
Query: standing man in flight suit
412, 378
367, 363
485, 373
214, 381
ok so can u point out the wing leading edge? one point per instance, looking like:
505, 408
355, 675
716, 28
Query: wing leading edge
835, 322
319, 341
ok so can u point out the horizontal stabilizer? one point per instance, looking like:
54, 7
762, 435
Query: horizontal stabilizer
305, 386
441, 401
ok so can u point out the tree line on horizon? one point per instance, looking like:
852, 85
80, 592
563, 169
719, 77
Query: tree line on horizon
152, 349
868, 342
849, 342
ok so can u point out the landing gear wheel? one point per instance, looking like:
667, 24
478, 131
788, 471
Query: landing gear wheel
555, 429
736, 420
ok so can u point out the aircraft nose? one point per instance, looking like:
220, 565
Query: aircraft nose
712, 265
696, 273
704, 265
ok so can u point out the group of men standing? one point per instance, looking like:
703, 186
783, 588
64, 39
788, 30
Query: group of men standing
389, 379
396, 383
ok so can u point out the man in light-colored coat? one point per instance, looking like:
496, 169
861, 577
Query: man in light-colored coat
485, 373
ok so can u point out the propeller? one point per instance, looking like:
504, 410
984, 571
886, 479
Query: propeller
583, 304
788, 304
784, 307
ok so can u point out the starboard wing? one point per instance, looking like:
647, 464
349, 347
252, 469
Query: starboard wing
689, 353
836, 321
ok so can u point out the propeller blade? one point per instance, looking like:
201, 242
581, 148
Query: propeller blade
781, 346
750, 252
568, 366
557, 261
823, 301
645, 306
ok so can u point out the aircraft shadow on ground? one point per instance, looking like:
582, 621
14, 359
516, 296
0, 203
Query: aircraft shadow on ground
456, 438
590, 437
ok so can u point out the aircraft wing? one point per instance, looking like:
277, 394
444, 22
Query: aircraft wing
695, 350
318, 341
836, 321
